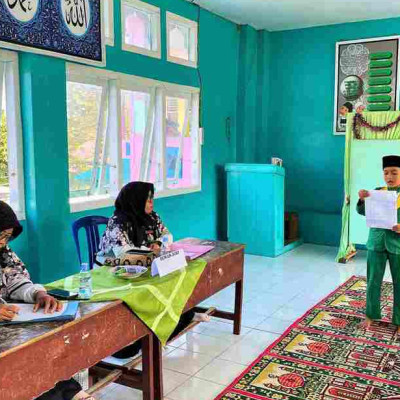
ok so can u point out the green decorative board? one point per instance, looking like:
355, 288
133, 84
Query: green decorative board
378, 107
366, 77
381, 64
379, 89
382, 80
381, 55
379, 99
380, 72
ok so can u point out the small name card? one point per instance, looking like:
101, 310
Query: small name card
168, 263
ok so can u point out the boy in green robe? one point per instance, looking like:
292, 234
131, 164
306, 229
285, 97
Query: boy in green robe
383, 245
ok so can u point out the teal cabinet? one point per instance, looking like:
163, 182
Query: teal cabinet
256, 207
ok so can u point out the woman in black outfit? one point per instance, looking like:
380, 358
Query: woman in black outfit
135, 224
15, 284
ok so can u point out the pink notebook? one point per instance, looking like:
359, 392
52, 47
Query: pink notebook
191, 250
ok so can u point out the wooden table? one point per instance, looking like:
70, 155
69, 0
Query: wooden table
225, 266
34, 357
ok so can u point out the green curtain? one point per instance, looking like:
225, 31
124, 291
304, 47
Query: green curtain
374, 119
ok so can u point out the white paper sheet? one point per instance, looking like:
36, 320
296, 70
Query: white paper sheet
26, 313
381, 209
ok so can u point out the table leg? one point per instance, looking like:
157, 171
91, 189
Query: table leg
148, 368
237, 321
157, 365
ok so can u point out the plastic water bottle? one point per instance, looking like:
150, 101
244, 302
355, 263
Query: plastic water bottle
166, 241
85, 282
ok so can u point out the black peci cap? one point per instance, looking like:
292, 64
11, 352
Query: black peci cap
390, 161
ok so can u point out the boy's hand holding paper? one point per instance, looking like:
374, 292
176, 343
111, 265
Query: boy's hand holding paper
396, 228
363, 194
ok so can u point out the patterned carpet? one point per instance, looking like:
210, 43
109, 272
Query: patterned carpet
327, 355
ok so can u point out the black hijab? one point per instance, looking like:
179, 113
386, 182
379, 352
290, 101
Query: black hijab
8, 220
130, 210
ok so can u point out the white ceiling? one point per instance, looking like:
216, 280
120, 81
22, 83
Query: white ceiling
278, 15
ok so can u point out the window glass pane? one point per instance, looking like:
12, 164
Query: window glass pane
135, 108
155, 173
179, 38
89, 165
4, 177
181, 150
138, 28
11, 172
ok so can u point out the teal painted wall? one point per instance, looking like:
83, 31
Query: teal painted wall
263, 97
247, 94
264, 94
300, 121
46, 245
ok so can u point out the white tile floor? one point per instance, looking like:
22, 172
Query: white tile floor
199, 365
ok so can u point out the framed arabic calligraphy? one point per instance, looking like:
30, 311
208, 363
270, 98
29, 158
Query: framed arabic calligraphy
69, 29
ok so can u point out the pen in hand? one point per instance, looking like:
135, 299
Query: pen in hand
7, 311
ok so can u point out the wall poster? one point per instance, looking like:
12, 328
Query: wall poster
365, 78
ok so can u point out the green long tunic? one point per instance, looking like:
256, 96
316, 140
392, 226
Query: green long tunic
382, 245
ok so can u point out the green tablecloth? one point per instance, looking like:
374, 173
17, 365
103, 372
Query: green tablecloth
157, 301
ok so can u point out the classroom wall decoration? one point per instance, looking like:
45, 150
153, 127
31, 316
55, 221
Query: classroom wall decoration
366, 77
70, 29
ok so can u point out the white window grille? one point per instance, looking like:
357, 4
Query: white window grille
11, 147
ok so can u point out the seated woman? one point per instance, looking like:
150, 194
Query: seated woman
135, 225
15, 284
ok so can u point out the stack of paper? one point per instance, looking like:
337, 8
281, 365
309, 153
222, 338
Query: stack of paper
26, 314
381, 209
191, 250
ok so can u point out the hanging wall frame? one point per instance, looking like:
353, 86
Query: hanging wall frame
69, 29
366, 77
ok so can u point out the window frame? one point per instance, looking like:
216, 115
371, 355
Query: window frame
94, 76
14, 130
193, 99
147, 8
193, 39
91, 75
109, 5
148, 87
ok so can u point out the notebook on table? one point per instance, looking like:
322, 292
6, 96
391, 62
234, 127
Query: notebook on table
26, 314
192, 251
